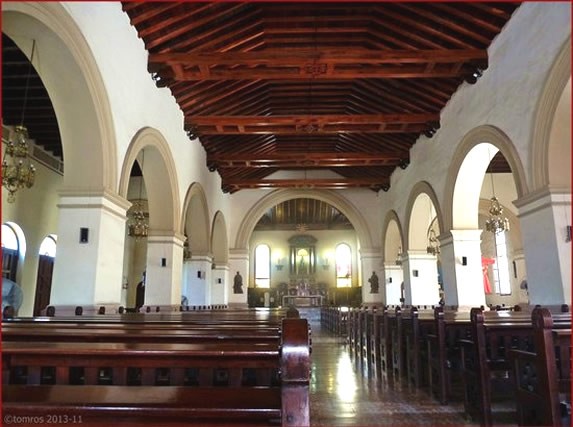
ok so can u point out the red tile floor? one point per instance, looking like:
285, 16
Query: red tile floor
342, 394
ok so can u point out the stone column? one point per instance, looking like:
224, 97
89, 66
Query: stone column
394, 276
461, 268
544, 218
238, 262
219, 285
164, 268
197, 279
89, 265
420, 278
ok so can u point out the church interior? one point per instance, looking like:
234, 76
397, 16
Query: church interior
286, 213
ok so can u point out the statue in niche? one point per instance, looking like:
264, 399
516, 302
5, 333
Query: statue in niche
374, 285
238, 283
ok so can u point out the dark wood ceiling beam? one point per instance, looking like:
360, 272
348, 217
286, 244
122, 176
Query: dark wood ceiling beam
309, 124
301, 160
321, 72
285, 130
232, 185
306, 118
426, 13
301, 56
386, 14
469, 17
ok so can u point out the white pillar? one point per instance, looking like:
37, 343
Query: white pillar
420, 278
371, 261
197, 274
544, 218
520, 276
219, 286
164, 268
88, 271
394, 276
238, 262
461, 268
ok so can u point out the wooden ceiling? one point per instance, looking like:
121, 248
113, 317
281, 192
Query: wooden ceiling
303, 214
346, 87
342, 86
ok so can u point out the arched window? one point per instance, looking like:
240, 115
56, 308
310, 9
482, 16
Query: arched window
48, 246
502, 284
10, 251
263, 266
343, 266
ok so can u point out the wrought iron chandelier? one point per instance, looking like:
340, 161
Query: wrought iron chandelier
496, 223
138, 226
17, 170
433, 243
399, 256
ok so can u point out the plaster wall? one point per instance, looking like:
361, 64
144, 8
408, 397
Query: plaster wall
35, 212
505, 96
135, 100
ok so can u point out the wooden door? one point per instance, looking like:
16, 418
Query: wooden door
9, 263
43, 283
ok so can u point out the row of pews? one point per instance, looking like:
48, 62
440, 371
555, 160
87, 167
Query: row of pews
224, 367
518, 357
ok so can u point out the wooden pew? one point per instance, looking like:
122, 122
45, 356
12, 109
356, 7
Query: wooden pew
543, 378
485, 358
417, 324
443, 354
221, 394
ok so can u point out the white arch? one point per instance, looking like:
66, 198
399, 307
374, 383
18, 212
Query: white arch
69, 71
416, 231
160, 179
391, 243
196, 219
463, 186
547, 104
254, 214
219, 240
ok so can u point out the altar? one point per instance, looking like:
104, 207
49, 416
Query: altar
302, 300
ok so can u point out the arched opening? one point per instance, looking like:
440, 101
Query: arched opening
47, 256
394, 276
198, 259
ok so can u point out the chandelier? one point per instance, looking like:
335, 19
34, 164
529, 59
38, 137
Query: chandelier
496, 223
137, 224
17, 170
433, 243
399, 256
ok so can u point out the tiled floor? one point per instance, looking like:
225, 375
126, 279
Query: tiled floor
341, 394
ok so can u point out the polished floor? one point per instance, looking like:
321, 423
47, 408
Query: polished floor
342, 394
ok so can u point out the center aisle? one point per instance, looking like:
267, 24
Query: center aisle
342, 395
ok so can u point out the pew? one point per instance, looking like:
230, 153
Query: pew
543, 378
205, 383
486, 366
443, 352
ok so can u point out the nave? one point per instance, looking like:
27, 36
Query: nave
342, 393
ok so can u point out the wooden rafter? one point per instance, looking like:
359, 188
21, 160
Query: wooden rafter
232, 185
330, 123
325, 64
301, 160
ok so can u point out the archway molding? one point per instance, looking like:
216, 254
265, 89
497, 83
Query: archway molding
159, 176
258, 209
462, 189
86, 125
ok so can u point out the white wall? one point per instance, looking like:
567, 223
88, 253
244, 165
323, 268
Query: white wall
326, 243
35, 212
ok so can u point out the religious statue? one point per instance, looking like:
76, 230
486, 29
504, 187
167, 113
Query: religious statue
373, 283
238, 284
